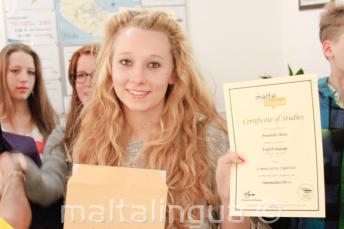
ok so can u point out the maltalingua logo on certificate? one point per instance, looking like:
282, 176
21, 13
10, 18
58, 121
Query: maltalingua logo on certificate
271, 100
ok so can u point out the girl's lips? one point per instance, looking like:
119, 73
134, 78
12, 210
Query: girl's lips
138, 93
22, 90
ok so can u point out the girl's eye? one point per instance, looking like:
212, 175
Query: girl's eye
32, 73
14, 70
154, 65
125, 62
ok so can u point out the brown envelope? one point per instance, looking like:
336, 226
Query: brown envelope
115, 197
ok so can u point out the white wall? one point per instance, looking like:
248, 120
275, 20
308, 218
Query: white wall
2, 26
240, 40
236, 40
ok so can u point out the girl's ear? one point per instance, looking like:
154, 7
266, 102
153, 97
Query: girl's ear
327, 49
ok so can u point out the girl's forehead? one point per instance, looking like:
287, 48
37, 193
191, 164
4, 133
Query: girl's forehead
134, 40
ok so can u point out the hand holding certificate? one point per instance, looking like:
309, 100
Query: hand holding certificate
275, 123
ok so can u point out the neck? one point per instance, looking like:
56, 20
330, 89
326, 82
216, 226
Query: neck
22, 108
142, 124
337, 81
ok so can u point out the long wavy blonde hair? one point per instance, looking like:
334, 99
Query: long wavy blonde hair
180, 146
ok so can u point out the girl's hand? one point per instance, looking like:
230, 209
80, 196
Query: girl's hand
223, 173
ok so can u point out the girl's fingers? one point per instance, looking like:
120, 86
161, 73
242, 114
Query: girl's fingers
231, 157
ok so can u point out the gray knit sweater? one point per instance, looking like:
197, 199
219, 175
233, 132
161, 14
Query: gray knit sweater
47, 184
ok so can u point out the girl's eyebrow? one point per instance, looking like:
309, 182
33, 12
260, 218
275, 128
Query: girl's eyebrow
156, 56
152, 55
19, 66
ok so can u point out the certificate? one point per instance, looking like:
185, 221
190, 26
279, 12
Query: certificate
275, 125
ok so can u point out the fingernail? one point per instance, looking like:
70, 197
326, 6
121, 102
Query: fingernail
241, 159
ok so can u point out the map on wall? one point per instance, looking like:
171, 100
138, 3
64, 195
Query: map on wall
82, 22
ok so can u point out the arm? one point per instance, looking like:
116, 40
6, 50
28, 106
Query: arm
218, 144
14, 206
47, 184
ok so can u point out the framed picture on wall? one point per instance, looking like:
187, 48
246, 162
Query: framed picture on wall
312, 4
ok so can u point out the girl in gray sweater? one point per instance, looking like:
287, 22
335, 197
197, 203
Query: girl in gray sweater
47, 184
150, 109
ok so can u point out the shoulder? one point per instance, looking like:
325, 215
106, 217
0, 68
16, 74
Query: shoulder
323, 87
216, 139
55, 137
58, 132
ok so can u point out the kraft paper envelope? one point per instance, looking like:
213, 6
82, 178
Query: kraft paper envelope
115, 197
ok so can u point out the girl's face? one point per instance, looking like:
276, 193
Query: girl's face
20, 75
336, 55
84, 73
142, 69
